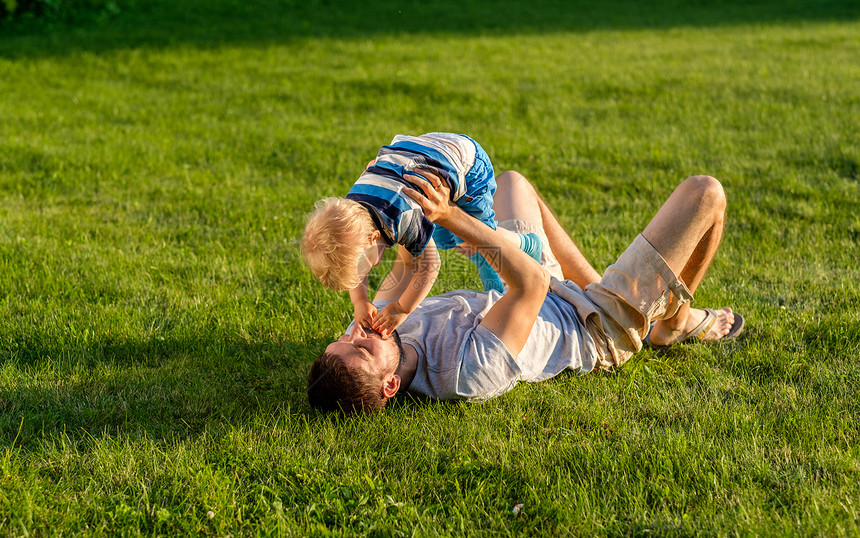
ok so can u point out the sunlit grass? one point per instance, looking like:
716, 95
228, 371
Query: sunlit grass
156, 321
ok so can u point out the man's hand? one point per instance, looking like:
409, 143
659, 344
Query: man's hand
365, 313
436, 201
389, 319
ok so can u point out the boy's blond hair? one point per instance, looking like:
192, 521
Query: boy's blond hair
335, 238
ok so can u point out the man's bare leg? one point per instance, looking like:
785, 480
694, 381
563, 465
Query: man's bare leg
516, 198
689, 250
574, 266
686, 231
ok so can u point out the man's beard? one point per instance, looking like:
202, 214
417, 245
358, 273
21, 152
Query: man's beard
399, 343
401, 357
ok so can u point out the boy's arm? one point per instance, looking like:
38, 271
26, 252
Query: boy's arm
363, 310
424, 269
512, 317
397, 279
416, 277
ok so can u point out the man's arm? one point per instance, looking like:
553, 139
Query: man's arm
511, 319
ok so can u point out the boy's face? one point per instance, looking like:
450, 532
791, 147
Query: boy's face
370, 258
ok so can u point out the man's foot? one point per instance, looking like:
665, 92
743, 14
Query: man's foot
700, 326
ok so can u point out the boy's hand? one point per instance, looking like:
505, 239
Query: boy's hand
436, 200
389, 319
364, 313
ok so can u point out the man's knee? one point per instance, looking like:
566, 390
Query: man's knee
511, 179
708, 191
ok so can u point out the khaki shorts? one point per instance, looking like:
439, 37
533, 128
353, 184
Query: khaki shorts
636, 289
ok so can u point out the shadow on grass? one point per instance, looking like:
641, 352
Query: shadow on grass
194, 23
157, 388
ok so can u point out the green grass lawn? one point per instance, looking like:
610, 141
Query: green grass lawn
157, 322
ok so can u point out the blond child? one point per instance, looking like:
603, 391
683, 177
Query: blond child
345, 237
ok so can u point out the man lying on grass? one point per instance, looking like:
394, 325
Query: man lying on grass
560, 314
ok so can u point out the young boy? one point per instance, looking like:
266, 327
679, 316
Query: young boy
345, 237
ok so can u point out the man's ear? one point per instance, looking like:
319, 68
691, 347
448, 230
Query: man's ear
390, 385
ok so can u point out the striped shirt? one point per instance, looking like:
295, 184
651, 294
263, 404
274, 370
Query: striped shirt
380, 188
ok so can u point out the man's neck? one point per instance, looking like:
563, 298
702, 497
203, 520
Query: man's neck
407, 367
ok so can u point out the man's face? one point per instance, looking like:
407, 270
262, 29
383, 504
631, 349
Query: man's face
366, 349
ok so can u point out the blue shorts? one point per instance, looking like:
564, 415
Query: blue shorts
477, 201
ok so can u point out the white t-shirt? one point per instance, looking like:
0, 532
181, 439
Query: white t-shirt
460, 359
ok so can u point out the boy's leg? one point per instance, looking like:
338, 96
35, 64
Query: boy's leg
686, 231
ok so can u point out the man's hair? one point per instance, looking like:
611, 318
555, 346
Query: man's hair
334, 240
333, 386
